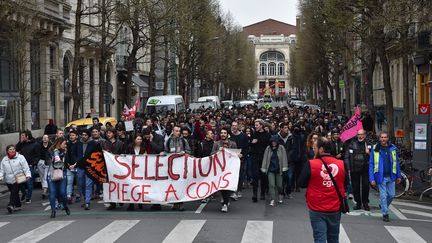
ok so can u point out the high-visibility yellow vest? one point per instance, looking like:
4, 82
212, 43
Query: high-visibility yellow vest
376, 160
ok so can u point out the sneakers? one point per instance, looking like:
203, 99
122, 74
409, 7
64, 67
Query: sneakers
280, 199
224, 208
234, 196
17, 209
28, 201
350, 196
272, 203
239, 195
254, 199
386, 218
87, 206
366, 207
290, 196
10, 209
111, 206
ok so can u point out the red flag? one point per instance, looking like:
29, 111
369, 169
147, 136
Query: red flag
352, 126
134, 108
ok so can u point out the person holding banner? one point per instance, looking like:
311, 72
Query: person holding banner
115, 146
88, 145
357, 157
224, 142
177, 144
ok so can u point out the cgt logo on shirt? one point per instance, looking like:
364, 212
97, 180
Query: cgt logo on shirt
326, 178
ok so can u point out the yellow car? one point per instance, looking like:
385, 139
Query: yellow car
86, 123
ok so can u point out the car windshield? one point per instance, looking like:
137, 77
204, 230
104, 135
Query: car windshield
151, 109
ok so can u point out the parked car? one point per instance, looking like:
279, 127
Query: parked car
86, 123
228, 104
297, 103
311, 106
201, 105
243, 103
165, 103
215, 99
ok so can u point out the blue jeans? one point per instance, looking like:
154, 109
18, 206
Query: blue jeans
57, 189
71, 175
288, 178
30, 183
387, 192
325, 226
85, 185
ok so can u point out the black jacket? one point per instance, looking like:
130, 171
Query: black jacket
31, 151
204, 148
259, 147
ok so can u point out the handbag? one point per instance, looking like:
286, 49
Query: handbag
57, 175
19, 177
344, 207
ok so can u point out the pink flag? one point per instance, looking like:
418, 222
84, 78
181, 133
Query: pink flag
134, 108
126, 110
352, 126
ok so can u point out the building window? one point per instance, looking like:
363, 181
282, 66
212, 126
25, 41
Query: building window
52, 56
8, 69
272, 69
272, 56
263, 69
281, 69
35, 79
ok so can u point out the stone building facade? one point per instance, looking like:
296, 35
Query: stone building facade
272, 40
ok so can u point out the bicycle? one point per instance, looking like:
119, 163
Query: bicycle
411, 176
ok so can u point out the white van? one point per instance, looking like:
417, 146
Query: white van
164, 103
215, 99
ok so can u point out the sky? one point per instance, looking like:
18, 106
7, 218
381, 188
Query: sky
246, 12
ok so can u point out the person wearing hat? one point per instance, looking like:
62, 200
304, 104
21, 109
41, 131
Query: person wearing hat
274, 164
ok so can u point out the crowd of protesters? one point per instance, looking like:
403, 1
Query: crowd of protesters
280, 147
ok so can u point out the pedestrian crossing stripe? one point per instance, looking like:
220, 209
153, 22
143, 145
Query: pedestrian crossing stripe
404, 234
187, 230
41, 232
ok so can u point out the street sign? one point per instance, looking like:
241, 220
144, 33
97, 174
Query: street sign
159, 85
424, 109
341, 84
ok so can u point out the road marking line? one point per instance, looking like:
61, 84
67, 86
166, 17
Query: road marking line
45, 203
404, 234
112, 232
42, 232
3, 224
397, 212
414, 205
343, 237
258, 231
185, 231
415, 212
201, 207
47, 208
101, 201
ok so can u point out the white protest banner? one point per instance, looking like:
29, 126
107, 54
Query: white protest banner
158, 179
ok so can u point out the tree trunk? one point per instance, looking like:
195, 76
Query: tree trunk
166, 65
338, 92
387, 89
104, 59
347, 93
76, 62
406, 102
369, 86
153, 60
